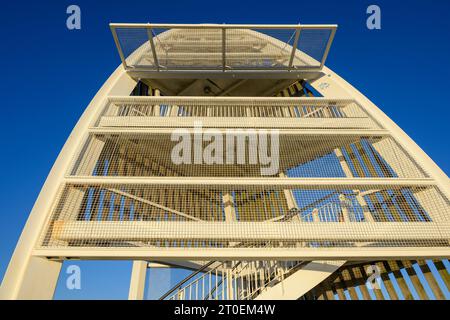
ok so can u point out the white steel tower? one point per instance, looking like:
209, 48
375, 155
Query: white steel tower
234, 151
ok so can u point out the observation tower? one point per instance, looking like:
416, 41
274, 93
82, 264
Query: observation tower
234, 152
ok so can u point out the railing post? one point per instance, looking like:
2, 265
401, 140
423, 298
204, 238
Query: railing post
119, 47
228, 205
230, 293
157, 107
224, 62
152, 45
327, 49
348, 173
294, 47
290, 199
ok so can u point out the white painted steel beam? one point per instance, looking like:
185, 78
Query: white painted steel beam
213, 100
152, 73
222, 26
137, 281
226, 254
307, 183
248, 231
309, 132
235, 122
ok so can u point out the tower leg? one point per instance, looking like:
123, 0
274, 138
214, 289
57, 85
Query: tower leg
29, 277
38, 282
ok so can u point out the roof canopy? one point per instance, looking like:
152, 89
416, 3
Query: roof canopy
165, 48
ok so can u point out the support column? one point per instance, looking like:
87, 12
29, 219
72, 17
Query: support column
290, 199
345, 204
157, 93
228, 206
230, 215
137, 282
230, 291
139, 270
348, 173
38, 281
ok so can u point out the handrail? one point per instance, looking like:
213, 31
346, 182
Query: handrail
295, 211
179, 284
223, 26
300, 263
222, 99
221, 281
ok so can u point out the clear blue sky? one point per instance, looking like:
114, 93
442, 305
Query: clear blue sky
49, 75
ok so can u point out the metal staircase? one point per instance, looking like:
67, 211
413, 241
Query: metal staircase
235, 280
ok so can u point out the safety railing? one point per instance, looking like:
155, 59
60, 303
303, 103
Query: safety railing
234, 280
165, 47
234, 112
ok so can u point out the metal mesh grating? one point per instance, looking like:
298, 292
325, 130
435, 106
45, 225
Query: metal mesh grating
135, 46
306, 155
221, 47
313, 43
188, 48
260, 48
136, 215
